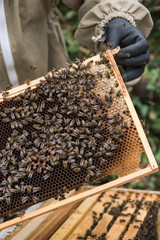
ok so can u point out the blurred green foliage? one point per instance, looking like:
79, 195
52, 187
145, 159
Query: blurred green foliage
147, 99
69, 22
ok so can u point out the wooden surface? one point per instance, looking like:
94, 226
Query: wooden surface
98, 208
73, 221
119, 225
52, 223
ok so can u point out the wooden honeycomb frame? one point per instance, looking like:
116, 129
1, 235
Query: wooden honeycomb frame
123, 178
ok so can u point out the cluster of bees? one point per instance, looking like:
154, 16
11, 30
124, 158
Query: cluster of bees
148, 228
58, 128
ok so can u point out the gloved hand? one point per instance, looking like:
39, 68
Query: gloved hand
134, 53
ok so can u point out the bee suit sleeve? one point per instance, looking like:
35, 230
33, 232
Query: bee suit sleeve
94, 15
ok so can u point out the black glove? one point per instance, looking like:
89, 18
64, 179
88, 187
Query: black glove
134, 53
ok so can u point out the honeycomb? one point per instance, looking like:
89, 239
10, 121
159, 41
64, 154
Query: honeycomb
71, 129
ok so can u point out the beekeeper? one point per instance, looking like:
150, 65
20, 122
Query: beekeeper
31, 35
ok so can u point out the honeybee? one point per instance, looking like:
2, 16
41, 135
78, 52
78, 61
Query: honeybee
49, 168
76, 132
99, 74
109, 154
42, 158
13, 190
82, 163
6, 120
39, 169
37, 142
36, 189
28, 81
5, 94
89, 154
123, 24
18, 189
78, 122
65, 163
34, 105
29, 188
72, 122
45, 177
2, 114
17, 115
32, 97
65, 189
33, 67
76, 170
76, 150
91, 173
119, 93
109, 66
9, 86
25, 132
83, 136
30, 175
92, 168
82, 150
87, 178
2, 198
8, 200
74, 165
23, 189
27, 91
128, 55
97, 135
107, 74
90, 162
123, 126
18, 124
102, 161
36, 126
24, 199
7, 145
35, 149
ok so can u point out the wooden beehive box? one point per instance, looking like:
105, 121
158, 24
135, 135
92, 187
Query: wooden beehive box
113, 215
66, 129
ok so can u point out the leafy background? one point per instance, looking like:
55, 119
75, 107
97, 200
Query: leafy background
145, 95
